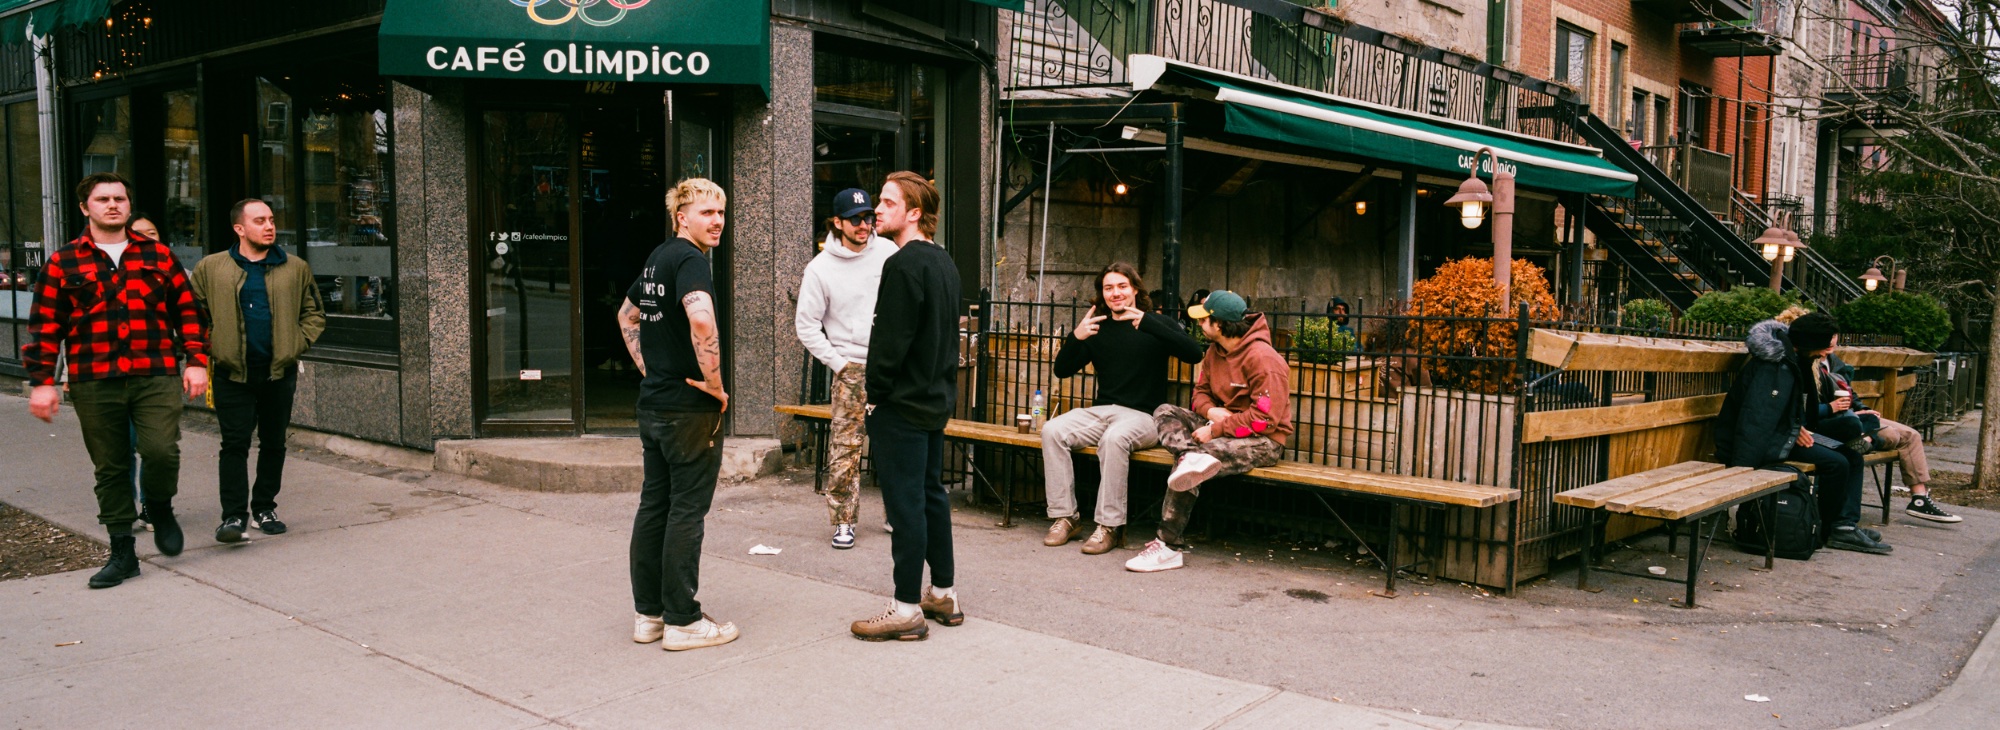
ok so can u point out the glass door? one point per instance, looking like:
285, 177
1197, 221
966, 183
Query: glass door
525, 199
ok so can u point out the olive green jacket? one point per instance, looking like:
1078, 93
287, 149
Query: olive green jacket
297, 317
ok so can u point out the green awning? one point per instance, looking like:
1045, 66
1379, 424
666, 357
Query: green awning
1321, 121
670, 41
1014, 5
47, 16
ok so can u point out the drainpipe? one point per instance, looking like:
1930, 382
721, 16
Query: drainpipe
1170, 243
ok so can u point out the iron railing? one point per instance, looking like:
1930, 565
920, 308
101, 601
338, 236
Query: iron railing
1079, 47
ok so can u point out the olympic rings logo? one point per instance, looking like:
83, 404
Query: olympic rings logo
580, 10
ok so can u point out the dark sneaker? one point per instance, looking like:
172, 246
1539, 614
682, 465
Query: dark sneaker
166, 530
124, 564
230, 531
267, 521
1851, 539
1924, 509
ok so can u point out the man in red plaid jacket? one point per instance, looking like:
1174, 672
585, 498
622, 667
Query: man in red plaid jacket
118, 305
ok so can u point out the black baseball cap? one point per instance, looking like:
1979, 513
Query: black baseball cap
852, 202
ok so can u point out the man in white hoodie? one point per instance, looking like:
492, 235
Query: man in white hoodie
836, 313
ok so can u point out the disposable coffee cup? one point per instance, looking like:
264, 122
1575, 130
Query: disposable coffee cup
1024, 423
1841, 394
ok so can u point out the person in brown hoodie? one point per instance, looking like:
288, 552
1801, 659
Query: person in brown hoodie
1241, 419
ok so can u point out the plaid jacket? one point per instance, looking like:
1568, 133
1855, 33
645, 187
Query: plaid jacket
136, 319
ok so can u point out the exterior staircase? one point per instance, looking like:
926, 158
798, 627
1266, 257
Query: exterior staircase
1671, 242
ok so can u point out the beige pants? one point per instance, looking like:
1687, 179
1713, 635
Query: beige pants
1910, 448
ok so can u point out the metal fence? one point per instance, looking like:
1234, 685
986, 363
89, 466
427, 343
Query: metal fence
1945, 390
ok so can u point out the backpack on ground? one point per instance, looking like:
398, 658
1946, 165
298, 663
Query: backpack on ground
1795, 523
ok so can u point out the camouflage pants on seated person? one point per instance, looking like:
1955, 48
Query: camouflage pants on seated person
1238, 455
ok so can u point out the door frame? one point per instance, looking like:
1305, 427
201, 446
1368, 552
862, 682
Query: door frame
482, 426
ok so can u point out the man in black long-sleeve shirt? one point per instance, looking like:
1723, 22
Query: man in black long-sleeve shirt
912, 361
1128, 350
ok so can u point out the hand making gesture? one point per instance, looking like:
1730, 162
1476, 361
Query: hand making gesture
1088, 326
1134, 315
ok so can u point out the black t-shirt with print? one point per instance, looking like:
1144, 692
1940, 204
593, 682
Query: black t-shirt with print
676, 269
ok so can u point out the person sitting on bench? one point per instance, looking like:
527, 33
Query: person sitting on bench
1865, 430
1766, 415
1127, 348
1242, 415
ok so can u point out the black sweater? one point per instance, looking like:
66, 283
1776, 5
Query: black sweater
913, 350
1130, 363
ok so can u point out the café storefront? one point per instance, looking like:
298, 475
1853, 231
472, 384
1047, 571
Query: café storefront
475, 182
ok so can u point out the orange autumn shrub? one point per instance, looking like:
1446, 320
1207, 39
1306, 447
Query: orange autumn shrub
1464, 288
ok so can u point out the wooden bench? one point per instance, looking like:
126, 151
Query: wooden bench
1691, 492
1877, 463
1400, 492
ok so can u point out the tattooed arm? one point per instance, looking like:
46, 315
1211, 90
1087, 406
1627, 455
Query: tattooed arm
628, 327
707, 345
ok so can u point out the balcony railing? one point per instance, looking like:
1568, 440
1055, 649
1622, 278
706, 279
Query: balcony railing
1079, 48
1890, 78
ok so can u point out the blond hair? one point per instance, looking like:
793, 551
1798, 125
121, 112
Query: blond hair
1791, 313
692, 189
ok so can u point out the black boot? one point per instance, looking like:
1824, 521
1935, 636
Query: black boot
166, 530
124, 564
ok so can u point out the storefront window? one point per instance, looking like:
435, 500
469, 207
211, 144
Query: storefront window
855, 81
324, 165
179, 216
20, 223
106, 131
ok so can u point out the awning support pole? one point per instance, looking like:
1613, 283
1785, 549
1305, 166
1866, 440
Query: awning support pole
1406, 237
1170, 243
1578, 207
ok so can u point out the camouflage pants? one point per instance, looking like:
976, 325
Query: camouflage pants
848, 436
1177, 426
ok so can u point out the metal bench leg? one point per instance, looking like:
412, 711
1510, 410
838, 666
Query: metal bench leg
1882, 488
1770, 517
1434, 543
1589, 552
1673, 537
1697, 553
1395, 522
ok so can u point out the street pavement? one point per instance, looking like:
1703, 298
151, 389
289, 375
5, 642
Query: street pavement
415, 598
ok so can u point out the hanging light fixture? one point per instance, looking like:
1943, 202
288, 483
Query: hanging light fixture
1793, 246
1361, 207
1471, 200
1873, 278
1771, 243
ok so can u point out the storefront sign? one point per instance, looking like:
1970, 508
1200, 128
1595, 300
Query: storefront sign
678, 41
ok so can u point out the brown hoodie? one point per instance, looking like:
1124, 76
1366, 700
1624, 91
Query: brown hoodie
1253, 381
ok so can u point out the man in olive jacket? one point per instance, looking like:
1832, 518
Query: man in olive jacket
264, 311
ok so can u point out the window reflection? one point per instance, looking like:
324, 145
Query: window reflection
325, 159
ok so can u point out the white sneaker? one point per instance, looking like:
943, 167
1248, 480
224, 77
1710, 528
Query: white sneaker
1155, 558
843, 537
699, 634
647, 629
1194, 469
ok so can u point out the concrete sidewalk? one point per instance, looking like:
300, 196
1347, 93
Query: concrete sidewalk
409, 597
389, 604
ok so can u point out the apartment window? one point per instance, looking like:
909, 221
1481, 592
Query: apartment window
1617, 90
1573, 57
1661, 106
1695, 112
1635, 120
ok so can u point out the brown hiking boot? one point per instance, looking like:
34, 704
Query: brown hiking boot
1103, 539
942, 610
887, 626
1064, 530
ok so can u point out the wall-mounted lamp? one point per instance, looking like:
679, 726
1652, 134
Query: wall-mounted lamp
1361, 207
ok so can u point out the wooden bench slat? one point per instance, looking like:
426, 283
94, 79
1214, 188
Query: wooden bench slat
1595, 495
1699, 499
1351, 480
1625, 502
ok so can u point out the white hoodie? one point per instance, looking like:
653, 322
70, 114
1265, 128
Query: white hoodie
837, 301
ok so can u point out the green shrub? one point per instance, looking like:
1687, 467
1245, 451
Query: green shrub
1320, 342
1647, 314
1742, 305
1922, 322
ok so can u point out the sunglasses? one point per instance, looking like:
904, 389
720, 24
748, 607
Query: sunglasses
863, 219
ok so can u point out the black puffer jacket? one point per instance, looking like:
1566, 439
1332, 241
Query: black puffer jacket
1765, 408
